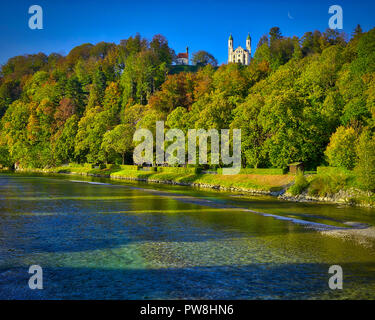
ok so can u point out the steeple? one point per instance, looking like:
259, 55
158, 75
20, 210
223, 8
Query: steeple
248, 43
230, 48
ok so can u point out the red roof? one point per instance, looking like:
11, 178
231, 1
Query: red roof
183, 55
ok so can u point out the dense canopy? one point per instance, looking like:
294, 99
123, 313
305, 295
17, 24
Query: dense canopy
298, 100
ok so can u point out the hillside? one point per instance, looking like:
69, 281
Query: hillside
310, 99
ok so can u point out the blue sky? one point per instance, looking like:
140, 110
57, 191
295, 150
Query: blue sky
201, 25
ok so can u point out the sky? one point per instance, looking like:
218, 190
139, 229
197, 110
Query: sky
198, 24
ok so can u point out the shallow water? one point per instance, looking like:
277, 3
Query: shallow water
116, 240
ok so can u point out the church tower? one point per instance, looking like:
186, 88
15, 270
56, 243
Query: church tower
230, 49
239, 55
248, 44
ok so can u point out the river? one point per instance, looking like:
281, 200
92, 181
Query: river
104, 239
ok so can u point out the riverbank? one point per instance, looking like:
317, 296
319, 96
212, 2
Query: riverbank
266, 184
352, 197
263, 184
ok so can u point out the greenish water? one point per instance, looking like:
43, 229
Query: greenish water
136, 241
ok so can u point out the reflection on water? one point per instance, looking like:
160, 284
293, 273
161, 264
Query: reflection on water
133, 241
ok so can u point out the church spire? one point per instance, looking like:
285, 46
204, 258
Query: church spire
248, 44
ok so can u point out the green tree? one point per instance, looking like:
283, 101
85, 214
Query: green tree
91, 129
275, 34
341, 148
358, 32
203, 58
63, 148
119, 140
365, 168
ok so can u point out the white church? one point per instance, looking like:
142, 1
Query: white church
239, 55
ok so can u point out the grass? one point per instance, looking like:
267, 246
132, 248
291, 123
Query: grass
188, 176
329, 181
244, 181
300, 184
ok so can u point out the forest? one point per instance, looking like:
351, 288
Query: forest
308, 99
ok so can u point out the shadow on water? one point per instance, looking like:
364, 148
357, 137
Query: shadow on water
254, 281
38, 232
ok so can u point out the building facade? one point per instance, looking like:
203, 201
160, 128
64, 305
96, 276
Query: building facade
183, 58
240, 55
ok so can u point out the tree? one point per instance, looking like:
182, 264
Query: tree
357, 32
176, 91
311, 43
332, 37
263, 53
365, 61
4, 156
203, 58
253, 134
119, 140
111, 101
64, 111
63, 148
341, 148
159, 45
262, 40
9, 92
91, 129
365, 168
14, 123
297, 51
275, 34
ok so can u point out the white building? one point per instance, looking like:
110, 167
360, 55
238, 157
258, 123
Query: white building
183, 58
239, 55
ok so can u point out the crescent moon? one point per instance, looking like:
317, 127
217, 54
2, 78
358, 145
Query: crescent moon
290, 16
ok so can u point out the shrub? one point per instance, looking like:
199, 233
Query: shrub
271, 171
113, 166
333, 170
128, 167
300, 184
328, 183
181, 170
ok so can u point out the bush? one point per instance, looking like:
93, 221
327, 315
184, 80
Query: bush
113, 166
365, 169
181, 170
300, 184
129, 167
271, 171
332, 170
328, 183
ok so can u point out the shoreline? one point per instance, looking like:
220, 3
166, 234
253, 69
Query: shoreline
279, 192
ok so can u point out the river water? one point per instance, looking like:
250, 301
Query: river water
105, 239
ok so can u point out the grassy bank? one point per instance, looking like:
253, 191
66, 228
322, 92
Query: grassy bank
244, 182
331, 184
263, 181
327, 184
